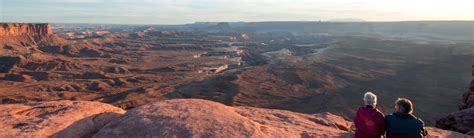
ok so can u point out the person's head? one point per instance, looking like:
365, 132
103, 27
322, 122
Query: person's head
403, 105
370, 99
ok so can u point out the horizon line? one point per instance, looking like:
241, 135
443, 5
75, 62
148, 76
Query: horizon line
177, 24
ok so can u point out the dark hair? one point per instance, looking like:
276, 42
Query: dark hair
405, 105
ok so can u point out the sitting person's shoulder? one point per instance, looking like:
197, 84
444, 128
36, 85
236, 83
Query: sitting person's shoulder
419, 120
378, 111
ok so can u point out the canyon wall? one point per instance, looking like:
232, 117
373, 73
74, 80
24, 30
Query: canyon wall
16, 29
21, 37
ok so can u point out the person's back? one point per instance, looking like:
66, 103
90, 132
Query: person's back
402, 123
369, 121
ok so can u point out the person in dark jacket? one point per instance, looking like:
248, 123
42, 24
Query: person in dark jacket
369, 121
402, 123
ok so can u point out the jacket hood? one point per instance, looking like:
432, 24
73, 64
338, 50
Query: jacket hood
369, 111
403, 115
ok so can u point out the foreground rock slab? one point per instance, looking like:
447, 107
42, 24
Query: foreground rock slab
201, 118
461, 121
171, 118
440, 133
57, 119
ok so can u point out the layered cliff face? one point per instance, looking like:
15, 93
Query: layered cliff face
24, 37
21, 41
18, 29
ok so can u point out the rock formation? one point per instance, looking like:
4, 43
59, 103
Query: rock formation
440, 133
463, 120
200, 118
468, 97
22, 37
171, 118
59, 118
17, 29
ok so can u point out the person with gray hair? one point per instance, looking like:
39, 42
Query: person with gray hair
369, 121
370, 99
402, 123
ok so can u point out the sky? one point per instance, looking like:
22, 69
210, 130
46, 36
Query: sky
189, 11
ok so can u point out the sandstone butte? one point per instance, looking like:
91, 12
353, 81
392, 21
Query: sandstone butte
18, 36
171, 118
17, 29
